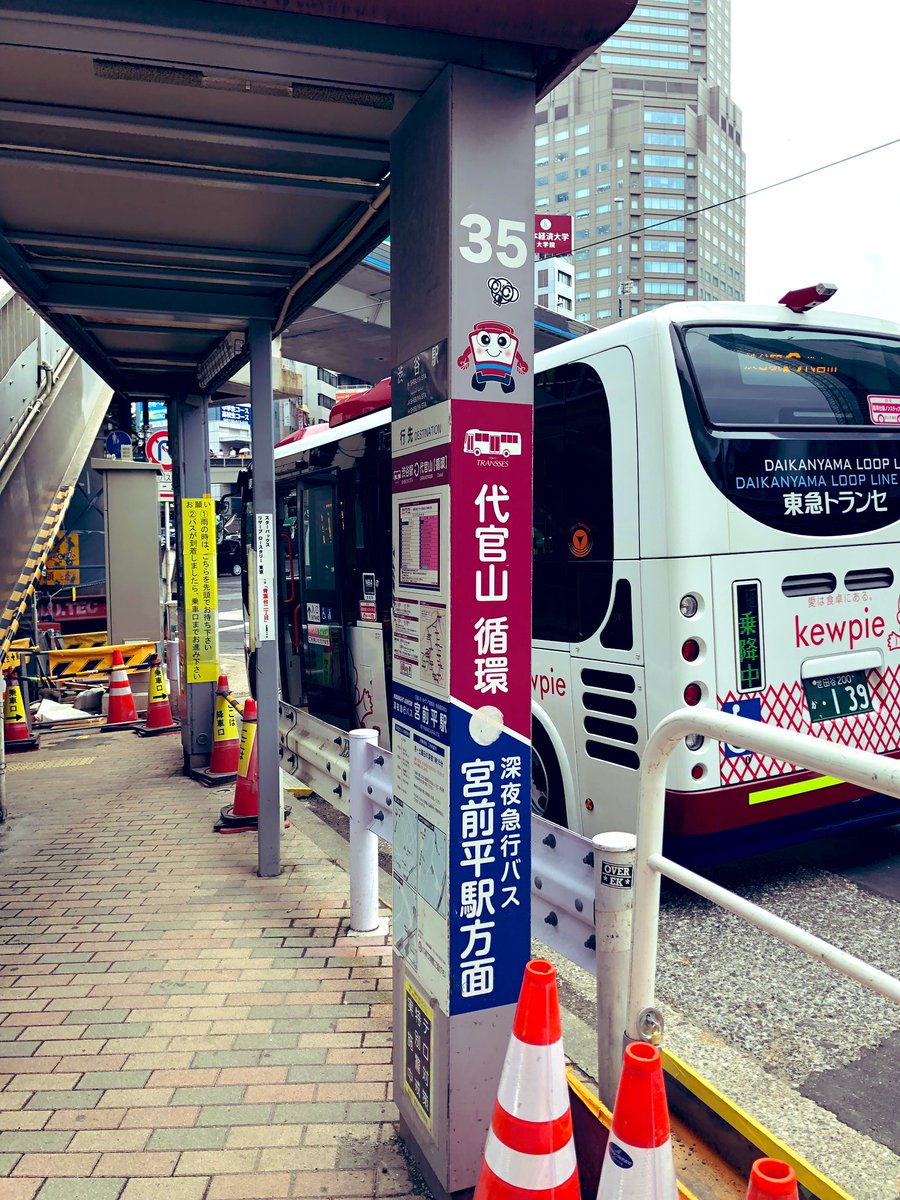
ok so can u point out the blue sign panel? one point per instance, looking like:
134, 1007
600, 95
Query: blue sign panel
751, 709
490, 885
115, 441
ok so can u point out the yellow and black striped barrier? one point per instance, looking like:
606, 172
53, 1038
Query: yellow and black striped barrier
88, 661
24, 587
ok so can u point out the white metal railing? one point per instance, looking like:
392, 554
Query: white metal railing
594, 901
871, 771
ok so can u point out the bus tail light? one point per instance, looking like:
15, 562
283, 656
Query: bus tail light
698, 771
688, 605
693, 694
694, 741
690, 650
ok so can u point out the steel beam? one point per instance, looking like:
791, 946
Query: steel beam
207, 133
90, 299
120, 248
149, 273
210, 176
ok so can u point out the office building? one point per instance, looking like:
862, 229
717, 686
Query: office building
634, 144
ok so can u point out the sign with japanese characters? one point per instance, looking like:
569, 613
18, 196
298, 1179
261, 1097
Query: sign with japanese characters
417, 1027
201, 594
813, 487
264, 609
552, 233
420, 382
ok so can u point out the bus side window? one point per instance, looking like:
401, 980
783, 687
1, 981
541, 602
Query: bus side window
572, 540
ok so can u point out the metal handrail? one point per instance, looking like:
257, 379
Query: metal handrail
871, 771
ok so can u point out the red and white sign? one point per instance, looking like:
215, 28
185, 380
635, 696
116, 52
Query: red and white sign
552, 234
884, 410
158, 449
491, 507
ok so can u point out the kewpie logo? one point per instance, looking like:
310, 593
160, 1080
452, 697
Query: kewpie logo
835, 633
548, 685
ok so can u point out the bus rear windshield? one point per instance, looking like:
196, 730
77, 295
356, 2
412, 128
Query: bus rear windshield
753, 377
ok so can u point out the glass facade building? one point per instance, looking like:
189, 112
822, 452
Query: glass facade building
633, 144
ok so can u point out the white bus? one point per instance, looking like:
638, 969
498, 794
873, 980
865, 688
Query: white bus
716, 518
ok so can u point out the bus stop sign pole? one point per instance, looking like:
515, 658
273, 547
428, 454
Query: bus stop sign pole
462, 402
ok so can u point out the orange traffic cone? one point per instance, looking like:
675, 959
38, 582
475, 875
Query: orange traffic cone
223, 762
769, 1177
244, 812
17, 736
530, 1150
159, 711
122, 713
638, 1163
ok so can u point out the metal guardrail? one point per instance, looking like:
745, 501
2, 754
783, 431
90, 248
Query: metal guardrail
868, 770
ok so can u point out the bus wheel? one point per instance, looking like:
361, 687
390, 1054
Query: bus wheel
547, 795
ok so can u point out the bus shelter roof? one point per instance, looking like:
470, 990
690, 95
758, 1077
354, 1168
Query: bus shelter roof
173, 169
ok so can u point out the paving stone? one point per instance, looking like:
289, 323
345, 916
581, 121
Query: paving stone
8, 1160
24, 1140
81, 1189
195, 1138
113, 1079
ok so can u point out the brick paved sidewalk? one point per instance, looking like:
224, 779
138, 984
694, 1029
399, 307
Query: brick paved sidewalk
174, 1027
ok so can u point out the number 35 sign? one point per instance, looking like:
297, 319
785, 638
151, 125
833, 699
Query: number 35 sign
508, 247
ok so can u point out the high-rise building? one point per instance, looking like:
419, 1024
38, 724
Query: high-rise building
633, 144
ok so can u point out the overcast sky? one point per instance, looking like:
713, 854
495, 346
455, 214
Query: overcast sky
818, 80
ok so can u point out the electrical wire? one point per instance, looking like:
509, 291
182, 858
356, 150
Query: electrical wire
731, 200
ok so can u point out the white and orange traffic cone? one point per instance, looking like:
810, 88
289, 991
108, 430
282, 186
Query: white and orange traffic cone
17, 735
530, 1150
122, 713
223, 761
771, 1178
244, 812
159, 711
638, 1163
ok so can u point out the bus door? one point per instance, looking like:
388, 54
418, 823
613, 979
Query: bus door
290, 604
319, 622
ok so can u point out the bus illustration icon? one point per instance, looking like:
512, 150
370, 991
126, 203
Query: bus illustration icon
490, 441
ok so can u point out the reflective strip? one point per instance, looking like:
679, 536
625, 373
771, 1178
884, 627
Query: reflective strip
533, 1085
531, 1137
530, 1171
633, 1171
792, 789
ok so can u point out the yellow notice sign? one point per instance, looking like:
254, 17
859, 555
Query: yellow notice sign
201, 590
63, 561
417, 1030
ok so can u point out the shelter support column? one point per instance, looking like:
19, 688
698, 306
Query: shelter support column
462, 401
189, 447
262, 588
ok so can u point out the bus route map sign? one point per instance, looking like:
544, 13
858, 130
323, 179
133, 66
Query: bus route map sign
201, 593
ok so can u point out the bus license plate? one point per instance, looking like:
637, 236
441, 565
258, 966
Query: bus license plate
830, 696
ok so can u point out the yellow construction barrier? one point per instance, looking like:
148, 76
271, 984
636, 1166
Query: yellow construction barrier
89, 661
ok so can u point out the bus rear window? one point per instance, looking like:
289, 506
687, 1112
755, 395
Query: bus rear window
753, 377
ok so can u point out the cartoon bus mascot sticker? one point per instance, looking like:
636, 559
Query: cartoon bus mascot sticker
493, 349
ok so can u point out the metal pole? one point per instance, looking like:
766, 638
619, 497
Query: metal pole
614, 858
363, 843
2, 750
263, 447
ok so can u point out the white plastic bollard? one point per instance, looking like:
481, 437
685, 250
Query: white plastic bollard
614, 859
363, 843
